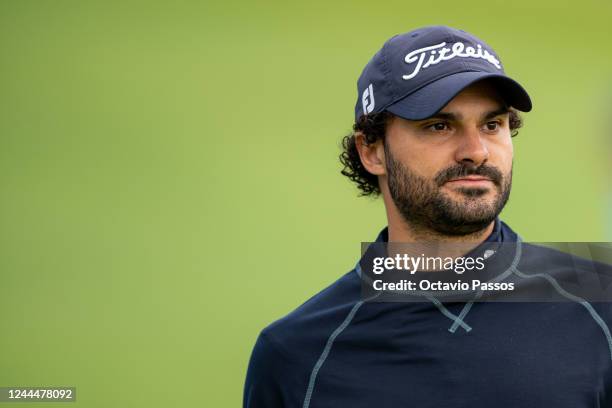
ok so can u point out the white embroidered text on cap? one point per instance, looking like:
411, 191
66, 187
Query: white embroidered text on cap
458, 49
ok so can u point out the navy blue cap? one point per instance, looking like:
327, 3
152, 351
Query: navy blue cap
416, 74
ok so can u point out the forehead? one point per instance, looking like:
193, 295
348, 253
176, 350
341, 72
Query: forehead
480, 96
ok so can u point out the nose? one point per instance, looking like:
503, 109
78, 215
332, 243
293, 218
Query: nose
472, 148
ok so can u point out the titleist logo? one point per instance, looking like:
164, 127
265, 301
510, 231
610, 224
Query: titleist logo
439, 53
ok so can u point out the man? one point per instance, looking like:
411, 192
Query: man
433, 126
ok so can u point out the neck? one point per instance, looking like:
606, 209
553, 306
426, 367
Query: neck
431, 243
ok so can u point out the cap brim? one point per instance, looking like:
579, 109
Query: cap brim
428, 100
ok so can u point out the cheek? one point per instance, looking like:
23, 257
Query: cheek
423, 161
501, 155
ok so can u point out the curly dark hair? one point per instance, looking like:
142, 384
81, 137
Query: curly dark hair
373, 128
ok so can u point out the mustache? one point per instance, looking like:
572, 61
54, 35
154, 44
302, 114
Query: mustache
462, 170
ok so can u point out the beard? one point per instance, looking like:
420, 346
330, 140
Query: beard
424, 206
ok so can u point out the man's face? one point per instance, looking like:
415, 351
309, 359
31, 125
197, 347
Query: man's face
452, 173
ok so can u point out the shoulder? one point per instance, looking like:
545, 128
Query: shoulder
287, 349
302, 333
573, 257
570, 277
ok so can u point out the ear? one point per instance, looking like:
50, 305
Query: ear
372, 155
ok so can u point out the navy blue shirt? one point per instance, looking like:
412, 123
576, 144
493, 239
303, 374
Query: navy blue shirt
336, 350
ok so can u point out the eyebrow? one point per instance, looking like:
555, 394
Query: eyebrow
450, 116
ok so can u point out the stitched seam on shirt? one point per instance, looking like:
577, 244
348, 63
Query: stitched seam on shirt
468, 306
327, 349
602, 324
461, 317
447, 313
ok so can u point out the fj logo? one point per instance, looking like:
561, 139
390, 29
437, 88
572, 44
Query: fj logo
367, 100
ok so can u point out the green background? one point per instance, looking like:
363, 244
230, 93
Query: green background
170, 181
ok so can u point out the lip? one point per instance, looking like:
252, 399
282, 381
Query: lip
470, 180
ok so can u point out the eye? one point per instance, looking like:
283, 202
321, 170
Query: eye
438, 126
492, 125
